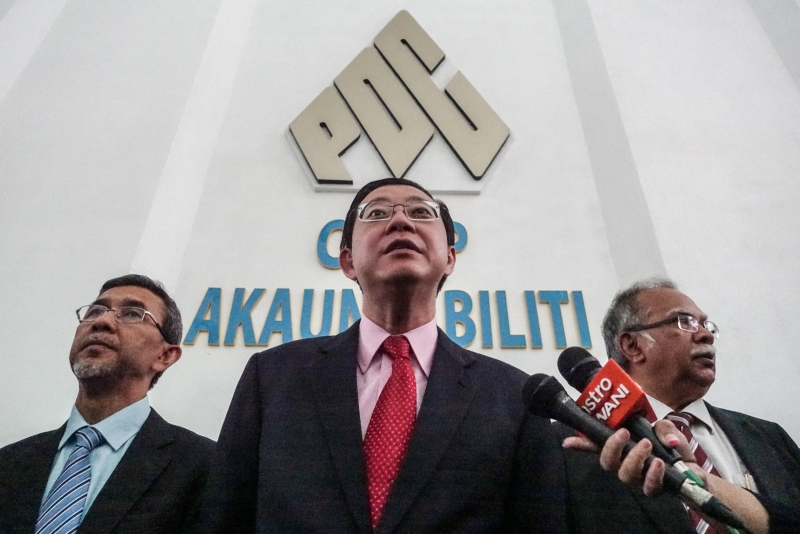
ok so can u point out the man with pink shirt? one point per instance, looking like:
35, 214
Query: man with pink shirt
389, 426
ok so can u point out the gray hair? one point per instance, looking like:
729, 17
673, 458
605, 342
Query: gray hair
625, 312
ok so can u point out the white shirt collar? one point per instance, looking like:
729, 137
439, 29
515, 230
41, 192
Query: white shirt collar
698, 409
422, 340
116, 428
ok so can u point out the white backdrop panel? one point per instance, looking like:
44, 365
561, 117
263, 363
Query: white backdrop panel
89, 127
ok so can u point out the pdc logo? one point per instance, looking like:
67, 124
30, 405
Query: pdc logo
388, 91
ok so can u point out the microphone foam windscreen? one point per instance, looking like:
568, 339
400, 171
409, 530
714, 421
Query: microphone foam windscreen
539, 393
578, 367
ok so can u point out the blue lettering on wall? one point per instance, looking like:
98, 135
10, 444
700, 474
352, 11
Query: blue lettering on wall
507, 339
533, 320
281, 305
327, 314
583, 323
458, 307
210, 306
461, 236
486, 320
328, 261
461, 316
240, 316
555, 299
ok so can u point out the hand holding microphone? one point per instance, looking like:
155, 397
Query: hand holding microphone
611, 395
608, 393
546, 397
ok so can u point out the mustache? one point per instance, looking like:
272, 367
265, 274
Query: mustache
97, 340
705, 352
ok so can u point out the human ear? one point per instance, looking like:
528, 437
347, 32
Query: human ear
169, 355
451, 260
630, 347
346, 264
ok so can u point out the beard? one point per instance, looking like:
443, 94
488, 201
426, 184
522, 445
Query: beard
117, 368
86, 370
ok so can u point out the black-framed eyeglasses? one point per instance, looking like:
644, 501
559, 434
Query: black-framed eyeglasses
123, 314
685, 322
417, 211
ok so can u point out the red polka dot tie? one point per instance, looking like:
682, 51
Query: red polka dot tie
390, 426
684, 422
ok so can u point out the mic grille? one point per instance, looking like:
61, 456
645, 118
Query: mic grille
578, 367
539, 393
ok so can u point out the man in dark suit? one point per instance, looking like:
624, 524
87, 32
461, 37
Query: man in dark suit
389, 426
115, 466
666, 344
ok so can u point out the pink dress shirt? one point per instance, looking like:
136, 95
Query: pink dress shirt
375, 367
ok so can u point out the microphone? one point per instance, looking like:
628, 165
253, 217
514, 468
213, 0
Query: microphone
545, 397
611, 395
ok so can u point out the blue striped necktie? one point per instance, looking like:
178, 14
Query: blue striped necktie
62, 510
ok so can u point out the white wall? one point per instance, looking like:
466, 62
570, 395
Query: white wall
647, 137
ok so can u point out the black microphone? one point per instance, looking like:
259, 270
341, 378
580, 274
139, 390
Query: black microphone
545, 397
579, 367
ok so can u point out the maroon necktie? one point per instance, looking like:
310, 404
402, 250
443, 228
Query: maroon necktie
390, 426
684, 422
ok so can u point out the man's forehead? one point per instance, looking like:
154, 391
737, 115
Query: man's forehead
396, 192
129, 296
662, 301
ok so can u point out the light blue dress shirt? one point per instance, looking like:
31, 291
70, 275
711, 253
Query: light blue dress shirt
118, 430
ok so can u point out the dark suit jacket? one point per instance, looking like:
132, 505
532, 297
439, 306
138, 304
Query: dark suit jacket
292, 461
155, 486
599, 503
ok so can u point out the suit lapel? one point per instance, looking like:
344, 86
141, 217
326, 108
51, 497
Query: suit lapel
145, 459
744, 438
37, 464
333, 381
448, 395
758, 454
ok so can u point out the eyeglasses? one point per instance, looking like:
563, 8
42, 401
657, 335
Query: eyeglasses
685, 322
417, 211
123, 314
